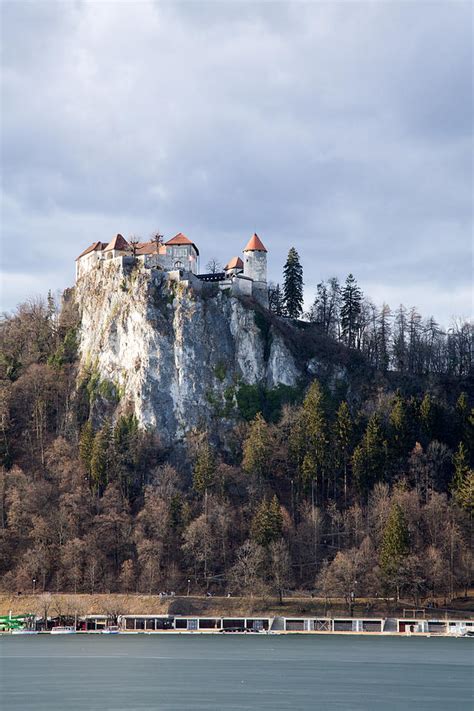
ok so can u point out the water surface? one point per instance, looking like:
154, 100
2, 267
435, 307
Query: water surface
235, 673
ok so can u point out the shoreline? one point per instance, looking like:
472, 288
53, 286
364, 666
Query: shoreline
219, 633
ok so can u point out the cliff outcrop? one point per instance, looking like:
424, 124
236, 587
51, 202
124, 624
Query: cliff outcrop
174, 357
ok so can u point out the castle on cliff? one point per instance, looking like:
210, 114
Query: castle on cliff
179, 258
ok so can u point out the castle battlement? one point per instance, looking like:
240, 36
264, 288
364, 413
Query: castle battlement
179, 258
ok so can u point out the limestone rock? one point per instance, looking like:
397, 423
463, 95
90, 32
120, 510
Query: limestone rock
174, 356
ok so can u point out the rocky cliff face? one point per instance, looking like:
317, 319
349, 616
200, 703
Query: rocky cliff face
177, 359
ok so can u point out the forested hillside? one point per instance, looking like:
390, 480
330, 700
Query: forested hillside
365, 488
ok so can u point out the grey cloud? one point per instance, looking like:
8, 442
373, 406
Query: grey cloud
341, 128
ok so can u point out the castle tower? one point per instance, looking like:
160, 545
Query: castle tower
255, 267
255, 260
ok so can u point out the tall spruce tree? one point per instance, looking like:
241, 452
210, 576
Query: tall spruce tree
100, 458
204, 469
86, 441
461, 466
395, 546
267, 522
427, 418
350, 311
316, 433
465, 421
464, 494
343, 435
399, 419
275, 300
257, 449
370, 456
383, 337
293, 285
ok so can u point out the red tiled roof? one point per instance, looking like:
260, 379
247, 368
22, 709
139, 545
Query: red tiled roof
181, 239
118, 242
255, 244
94, 247
235, 263
150, 248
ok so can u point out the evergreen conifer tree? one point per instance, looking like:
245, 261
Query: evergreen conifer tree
257, 449
461, 466
100, 458
427, 417
204, 468
293, 285
369, 457
316, 432
343, 434
308, 471
267, 522
275, 300
350, 310
400, 426
383, 337
464, 493
86, 441
395, 546
465, 421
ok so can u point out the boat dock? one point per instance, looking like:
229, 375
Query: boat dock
194, 624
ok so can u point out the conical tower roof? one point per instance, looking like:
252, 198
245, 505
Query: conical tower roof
255, 244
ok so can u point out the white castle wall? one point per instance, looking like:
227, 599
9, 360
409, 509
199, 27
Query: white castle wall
252, 282
255, 266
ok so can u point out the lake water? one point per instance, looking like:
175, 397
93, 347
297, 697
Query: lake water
235, 673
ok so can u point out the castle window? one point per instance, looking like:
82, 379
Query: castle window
178, 264
180, 252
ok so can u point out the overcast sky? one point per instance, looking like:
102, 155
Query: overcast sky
343, 129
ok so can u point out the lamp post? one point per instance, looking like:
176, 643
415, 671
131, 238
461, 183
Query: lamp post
34, 585
189, 583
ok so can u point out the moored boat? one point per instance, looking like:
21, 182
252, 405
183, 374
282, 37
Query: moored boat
67, 629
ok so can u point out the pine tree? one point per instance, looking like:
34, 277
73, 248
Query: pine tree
293, 285
369, 457
204, 468
86, 441
267, 522
275, 300
400, 427
350, 311
297, 443
395, 546
51, 307
464, 494
275, 516
316, 432
100, 458
126, 450
461, 467
465, 421
257, 449
343, 434
427, 417
308, 471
